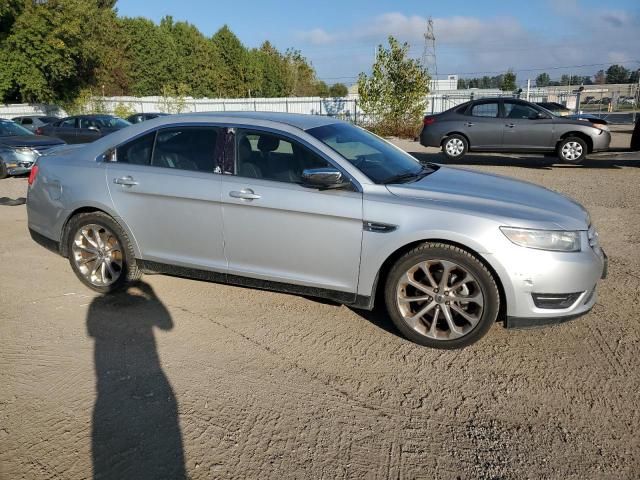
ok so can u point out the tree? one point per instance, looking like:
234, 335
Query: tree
50, 52
152, 55
600, 78
508, 83
233, 56
395, 92
543, 80
338, 90
617, 74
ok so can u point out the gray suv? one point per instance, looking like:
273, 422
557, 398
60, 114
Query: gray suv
512, 125
315, 206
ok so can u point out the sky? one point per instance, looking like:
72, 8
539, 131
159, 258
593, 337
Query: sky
473, 38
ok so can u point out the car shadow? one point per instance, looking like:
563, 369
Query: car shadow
620, 158
135, 429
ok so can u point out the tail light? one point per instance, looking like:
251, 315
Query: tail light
429, 120
32, 174
39, 131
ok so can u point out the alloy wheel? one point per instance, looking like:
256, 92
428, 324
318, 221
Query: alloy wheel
571, 151
97, 254
440, 299
454, 147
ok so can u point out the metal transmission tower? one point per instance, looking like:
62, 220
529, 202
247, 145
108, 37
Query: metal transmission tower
429, 54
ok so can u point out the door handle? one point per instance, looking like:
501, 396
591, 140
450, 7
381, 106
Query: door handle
469, 124
245, 194
510, 125
127, 181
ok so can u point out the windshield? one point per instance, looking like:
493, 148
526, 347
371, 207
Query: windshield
379, 160
11, 129
111, 122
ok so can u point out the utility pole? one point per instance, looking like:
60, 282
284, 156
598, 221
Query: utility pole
528, 88
429, 54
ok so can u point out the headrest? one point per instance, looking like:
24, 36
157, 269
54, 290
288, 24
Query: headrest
268, 143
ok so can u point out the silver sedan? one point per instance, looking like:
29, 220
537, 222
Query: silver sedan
314, 206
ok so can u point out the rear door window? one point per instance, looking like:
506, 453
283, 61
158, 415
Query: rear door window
186, 148
68, 123
27, 121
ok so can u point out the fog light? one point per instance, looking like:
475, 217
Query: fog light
555, 300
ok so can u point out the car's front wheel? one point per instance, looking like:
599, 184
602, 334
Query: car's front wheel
455, 146
100, 252
572, 150
3, 170
441, 296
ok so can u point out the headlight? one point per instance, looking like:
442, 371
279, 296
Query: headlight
600, 126
20, 154
554, 240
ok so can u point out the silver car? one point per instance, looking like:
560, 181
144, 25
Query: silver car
311, 205
512, 125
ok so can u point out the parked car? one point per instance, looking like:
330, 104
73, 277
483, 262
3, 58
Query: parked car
19, 148
32, 122
141, 117
511, 125
315, 206
635, 137
588, 117
555, 108
83, 128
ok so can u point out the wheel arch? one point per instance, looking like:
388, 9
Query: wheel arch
93, 209
389, 262
455, 132
574, 133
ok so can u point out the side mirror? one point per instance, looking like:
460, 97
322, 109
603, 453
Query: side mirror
323, 178
109, 155
94, 129
537, 116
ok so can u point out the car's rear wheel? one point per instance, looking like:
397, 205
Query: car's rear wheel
441, 296
455, 146
100, 252
572, 150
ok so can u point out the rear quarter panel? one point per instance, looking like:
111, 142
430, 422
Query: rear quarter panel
63, 185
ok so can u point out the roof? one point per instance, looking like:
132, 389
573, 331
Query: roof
297, 120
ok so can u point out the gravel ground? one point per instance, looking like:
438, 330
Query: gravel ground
182, 378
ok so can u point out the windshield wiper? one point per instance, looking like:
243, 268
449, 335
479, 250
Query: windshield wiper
403, 177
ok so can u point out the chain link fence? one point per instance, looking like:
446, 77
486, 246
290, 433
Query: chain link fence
617, 103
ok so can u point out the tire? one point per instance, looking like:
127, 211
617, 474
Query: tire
3, 170
480, 311
106, 242
572, 150
455, 146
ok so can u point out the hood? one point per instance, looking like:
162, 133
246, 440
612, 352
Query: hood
29, 141
509, 201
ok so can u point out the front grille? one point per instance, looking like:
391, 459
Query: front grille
555, 300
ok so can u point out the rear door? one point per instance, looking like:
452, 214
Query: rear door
164, 187
524, 129
483, 126
279, 231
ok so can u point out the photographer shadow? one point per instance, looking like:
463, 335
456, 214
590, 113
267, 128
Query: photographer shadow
135, 430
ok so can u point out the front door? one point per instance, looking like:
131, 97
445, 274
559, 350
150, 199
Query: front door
164, 187
524, 129
277, 230
483, 126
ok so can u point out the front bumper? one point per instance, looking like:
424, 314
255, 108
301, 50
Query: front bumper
18, 168
529, 274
